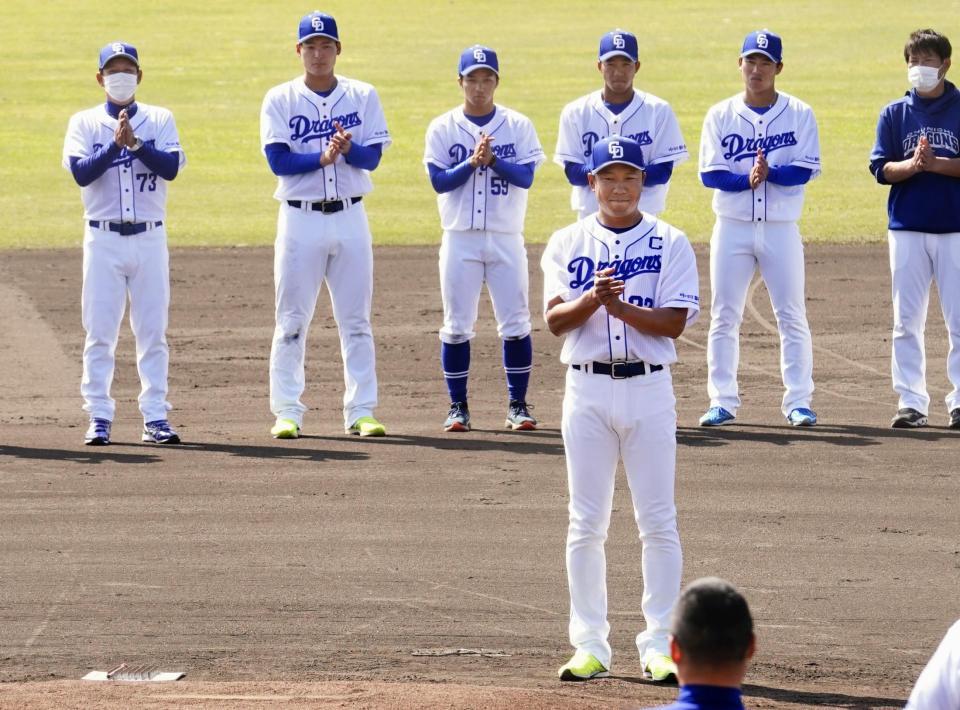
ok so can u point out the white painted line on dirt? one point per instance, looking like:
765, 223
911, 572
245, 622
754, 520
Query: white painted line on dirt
771, 328
770, 373
490, 597
41, 627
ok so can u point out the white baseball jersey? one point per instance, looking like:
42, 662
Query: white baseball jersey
938, 686
732, 133
648, 120
486, 201
302, 119
658, 266
128, 191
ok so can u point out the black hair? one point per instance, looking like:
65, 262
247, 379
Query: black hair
712, 623
923, 41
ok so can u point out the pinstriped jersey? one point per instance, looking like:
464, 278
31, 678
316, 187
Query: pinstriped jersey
128, 191
648, 120
294, 115
486, 201
659, 270
788, 134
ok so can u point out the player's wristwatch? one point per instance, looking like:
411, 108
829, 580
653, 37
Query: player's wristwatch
137, 145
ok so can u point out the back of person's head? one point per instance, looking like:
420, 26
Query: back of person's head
712, 624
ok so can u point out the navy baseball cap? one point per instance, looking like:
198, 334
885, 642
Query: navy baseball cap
613, 150
763, 42
118, 49
478, 57
317, 24
618, 43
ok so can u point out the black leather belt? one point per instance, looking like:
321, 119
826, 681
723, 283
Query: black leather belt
619, 370
125, 228
327, 206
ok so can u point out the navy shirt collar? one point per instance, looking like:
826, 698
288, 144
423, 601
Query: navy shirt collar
714, 697
115, 109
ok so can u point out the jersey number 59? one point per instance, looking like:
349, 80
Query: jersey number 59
499, 186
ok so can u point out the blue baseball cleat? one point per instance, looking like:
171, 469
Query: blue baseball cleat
801, 416
716, 416
99, 433
159, 432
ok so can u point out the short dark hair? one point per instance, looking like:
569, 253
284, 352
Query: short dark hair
927, 41
712, 623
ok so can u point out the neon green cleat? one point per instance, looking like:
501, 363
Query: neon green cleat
285, 429
660, 668
583, 666
367, 426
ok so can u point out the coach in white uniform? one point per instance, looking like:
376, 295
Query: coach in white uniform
619, 110
322, 135
122, 154
621, 285
481, 159
757, 151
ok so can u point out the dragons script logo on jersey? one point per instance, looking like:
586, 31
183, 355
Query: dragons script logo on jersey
583, 269
459, 152
742, 148
589, 138
306, 130
942, 138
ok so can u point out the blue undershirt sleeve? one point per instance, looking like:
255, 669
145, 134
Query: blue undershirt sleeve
447, 179
86, 170
163, 163
284, 162
658, 174
365, 157
576, 173
725, 180
789, 175
517, 174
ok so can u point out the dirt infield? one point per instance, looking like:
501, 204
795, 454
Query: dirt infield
424, 569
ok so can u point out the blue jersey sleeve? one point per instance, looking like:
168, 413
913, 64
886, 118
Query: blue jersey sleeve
284, 162
448, 179
790, 175
725, 180
164, 164
576, 173
86, 170
517, 174
365, 157
658, 174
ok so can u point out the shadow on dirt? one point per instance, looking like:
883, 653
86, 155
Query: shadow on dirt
831, 435
87, 456
525, 443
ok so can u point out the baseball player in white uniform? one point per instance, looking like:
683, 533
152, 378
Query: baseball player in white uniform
122, 154
619, 110
481, 159
621, 285
757, 151
322, 135
938, 687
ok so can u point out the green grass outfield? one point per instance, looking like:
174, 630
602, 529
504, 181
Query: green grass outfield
211, 62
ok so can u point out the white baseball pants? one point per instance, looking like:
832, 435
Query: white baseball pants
467, 261
915, 259
313, 248
606, 421
116, 267
736, 249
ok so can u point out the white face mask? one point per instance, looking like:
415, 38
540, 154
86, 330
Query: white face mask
120, 86
923, 78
